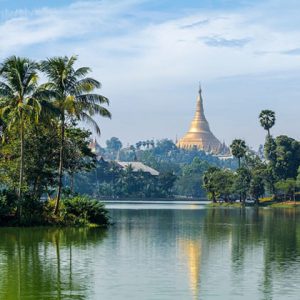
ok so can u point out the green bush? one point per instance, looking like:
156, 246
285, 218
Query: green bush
84, 210
32, 211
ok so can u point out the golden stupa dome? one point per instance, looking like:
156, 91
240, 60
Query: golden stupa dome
199, 135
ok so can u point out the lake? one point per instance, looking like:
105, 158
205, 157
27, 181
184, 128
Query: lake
158, 251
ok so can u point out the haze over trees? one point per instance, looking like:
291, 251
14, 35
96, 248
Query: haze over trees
180, 171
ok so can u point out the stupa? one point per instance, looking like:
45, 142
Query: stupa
199, 135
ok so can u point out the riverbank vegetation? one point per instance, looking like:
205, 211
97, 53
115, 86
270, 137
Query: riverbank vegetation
47, 162
276, 174
245, 178
180, 171
41, 140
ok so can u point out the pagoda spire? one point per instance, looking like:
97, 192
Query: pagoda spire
199, 134
199, 122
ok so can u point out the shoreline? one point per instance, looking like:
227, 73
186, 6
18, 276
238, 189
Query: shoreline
286, 204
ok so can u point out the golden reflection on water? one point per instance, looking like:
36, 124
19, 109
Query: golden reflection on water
191, 250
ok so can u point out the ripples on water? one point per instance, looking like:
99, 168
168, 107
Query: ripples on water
158, 251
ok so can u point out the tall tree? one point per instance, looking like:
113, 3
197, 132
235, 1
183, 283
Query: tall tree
287, 157
238, 149
74, 98
242, 182
138, 145
257, 187
267, 119
209, 182
20, 101
114, 144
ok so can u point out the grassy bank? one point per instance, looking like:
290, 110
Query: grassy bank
286, 204
79, 211
270, 202
226, 204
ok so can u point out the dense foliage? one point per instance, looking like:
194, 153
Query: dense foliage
181, 171
40, 139
110, 180
45, 156
276, 175
82, 210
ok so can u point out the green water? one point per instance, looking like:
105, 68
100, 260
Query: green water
158, 251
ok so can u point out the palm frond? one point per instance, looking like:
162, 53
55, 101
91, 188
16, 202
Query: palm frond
85, 85
49, 109
86, 118
81, 72
6, 90
95, 109
92, 98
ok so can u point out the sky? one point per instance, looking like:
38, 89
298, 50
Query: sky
150, 56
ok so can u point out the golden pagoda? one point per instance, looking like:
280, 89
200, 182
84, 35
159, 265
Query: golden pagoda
199, 135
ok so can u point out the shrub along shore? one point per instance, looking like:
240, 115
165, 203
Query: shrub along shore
73, 211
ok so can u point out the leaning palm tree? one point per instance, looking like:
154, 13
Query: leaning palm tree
20, 102
267, 119
74, 100
238, 149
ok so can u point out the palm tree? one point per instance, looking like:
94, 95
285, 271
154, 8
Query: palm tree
138, 145
20, 102
267, 119
238, 149
74, 99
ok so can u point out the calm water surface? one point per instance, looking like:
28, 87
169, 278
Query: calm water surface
158, 251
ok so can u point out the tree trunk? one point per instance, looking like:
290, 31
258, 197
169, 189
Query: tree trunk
60, 168
214, 198
239, 160
20, 190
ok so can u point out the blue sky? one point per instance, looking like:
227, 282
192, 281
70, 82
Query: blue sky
150, 56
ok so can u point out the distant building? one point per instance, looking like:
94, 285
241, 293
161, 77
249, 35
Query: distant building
95, 147
137, 166
199, 135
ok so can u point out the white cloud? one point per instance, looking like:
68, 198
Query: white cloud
150, 69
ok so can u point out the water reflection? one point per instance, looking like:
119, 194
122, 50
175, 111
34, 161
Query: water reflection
39, 263
264, 248
158, 254
192, 252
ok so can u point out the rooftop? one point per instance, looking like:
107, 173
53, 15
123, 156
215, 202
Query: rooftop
138, 166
